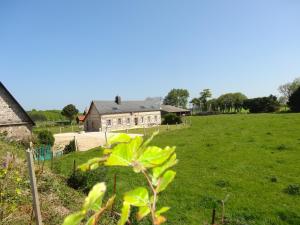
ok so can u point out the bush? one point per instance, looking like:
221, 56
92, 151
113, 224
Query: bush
45, 137
71, 147
294, 101
84, 181
171, 118
293, 189
262, 105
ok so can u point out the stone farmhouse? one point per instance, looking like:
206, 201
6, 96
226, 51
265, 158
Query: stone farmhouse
14, 121
121, 115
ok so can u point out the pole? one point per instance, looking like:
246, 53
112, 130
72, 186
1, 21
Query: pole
105, 135
34, 192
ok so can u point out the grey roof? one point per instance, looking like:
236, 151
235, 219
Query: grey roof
111, 107
173, 109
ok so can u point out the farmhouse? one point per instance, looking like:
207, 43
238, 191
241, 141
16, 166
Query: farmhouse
14, 121
165, 109
119, 115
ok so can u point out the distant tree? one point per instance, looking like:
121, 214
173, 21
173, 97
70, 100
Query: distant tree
213, 105
177, 97
171, 118
204, 96
287, 89
37, 116
262, 105
294, 101
70, 112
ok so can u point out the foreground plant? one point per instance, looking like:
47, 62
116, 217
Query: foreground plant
153, 162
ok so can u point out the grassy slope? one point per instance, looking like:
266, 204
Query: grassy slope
56, 199
241, 151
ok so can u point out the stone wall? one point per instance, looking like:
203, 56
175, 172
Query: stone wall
17, 132
13, 121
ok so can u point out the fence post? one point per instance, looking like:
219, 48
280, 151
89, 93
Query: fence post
105, 135
34, 192
167, 126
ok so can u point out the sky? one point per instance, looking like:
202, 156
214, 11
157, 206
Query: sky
56, 52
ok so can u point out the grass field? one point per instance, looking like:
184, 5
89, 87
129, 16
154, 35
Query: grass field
251, 158
59, 129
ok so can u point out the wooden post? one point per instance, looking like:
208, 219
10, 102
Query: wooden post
176, 125
167, 126
105, 135
34, 192
144, 131
72, 128
59, 129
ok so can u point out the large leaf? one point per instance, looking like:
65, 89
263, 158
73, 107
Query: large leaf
119, 138
165, 180
125, 213
74, 219
94, 199
135, 145
158, 171
161, 211
155, 156
122, 155
143, 211
137, 197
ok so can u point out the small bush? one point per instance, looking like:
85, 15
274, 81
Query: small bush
171, 118
293, 189
294, 101
45, 137
84, 181
71, 147
273, 179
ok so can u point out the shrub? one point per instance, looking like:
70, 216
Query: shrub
84, 181
71, 147
45, 137
171, 118
293, 189
262, 105
294, 101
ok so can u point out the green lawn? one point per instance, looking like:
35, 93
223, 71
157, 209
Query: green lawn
235, 155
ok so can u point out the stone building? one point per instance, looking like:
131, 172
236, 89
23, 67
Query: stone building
14, 121
121, 115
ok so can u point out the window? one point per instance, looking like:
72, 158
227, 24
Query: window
119, 121
142, 119
149, 119
155, 118
108, 123
128, 120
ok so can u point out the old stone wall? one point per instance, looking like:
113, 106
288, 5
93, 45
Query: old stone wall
10, 112
17, 132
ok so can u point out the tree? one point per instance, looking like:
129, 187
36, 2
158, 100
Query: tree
70, 112
287, 89
45, 137
204, 96
294, 101
177, 97
262, 105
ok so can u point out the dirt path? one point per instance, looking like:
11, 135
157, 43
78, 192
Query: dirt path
85, 141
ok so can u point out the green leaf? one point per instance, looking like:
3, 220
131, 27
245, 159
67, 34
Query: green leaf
74, 218
143, 211
92, 164
165, 180
94, 200
91, 220
125, 213
122, 155
137, 197
119, 138
155, 156
158, 171
135, 145
161, 211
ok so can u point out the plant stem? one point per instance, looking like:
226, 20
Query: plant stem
152, 206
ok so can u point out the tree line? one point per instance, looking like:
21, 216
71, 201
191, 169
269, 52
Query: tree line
237, 102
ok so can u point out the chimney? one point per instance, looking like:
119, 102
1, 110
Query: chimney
118, 100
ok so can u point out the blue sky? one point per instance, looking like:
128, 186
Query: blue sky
57, 52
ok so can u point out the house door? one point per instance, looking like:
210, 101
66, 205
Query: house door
136, 121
